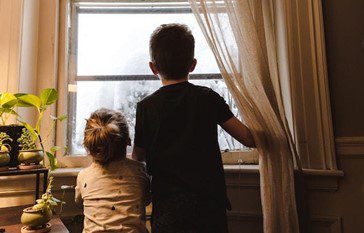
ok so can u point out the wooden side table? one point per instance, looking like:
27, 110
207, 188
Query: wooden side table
57, 227
10, 221
37, 172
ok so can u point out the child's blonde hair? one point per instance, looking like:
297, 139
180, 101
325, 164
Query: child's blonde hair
106, 135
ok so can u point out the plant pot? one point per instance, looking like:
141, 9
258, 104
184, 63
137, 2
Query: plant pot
34, 218
4, 158
14, 132
28, 157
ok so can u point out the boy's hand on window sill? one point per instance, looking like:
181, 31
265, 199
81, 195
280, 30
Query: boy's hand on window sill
239, 131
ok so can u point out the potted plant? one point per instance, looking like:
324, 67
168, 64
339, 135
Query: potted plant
8, 102
29, 155
31, 136
37, 217
4, 150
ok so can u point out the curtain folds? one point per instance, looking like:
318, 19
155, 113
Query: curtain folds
241, 34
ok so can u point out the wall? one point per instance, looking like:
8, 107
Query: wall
10, 41
344, 29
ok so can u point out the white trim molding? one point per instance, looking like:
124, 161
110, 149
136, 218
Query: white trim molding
350, 146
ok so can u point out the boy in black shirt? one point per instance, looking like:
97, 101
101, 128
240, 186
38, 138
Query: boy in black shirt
176, 135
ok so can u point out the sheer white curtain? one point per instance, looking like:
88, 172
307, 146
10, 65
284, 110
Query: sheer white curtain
241, 35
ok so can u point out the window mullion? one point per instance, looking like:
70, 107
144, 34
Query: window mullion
140, 77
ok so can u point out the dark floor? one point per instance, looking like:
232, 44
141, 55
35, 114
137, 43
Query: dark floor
75, 224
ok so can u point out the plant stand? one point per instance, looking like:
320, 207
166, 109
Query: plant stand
36, 172
29, 166
4, 168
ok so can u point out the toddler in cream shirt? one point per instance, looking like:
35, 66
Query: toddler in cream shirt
114, 190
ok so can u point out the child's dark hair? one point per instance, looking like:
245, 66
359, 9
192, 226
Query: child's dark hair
106, 136
172, 50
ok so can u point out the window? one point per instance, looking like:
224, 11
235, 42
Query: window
109, 61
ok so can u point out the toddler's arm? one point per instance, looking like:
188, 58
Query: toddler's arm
239, 131
78, 197
148, 194
138, 154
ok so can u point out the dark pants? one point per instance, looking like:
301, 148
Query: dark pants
188, 214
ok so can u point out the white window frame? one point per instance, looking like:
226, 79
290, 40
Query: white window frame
301, 35
67, 104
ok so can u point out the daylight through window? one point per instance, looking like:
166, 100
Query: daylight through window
109, 62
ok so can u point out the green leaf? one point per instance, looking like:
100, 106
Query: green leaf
49, 96
56, 200
52, 203
38, 206
8, 100
65, 150
60, 118
56, 148
5, 147
31, 130
39, 201
52, 161
9, 111
20, 102
29, 100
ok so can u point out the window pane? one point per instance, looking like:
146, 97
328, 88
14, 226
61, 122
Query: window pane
123, 96
118, 44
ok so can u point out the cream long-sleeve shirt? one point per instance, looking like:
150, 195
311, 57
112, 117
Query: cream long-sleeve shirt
113, 197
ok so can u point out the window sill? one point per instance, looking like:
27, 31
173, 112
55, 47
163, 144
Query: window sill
246, 169
254, 169
248, 158
230, 158
66, 172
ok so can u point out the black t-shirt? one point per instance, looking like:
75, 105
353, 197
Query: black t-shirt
177, 125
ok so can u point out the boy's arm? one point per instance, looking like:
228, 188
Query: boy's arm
232, 125
239, 131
